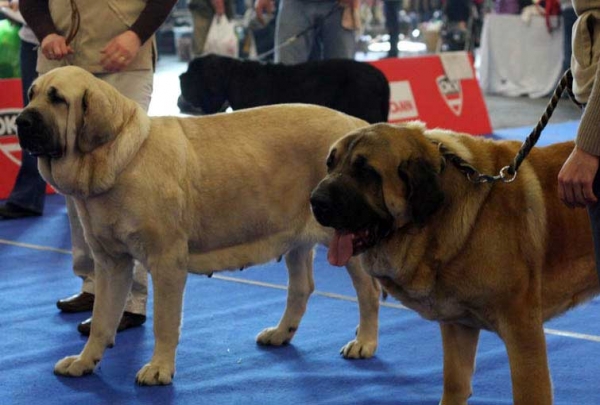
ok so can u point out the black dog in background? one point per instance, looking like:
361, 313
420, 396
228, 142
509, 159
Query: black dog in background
355, 88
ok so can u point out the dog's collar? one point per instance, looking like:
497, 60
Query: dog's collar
472, 174
462, 165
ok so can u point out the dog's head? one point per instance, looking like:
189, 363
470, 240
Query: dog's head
204, 85
72, 115
380, 178
71, 111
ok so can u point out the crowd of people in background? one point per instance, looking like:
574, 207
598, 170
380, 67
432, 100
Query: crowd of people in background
348, 24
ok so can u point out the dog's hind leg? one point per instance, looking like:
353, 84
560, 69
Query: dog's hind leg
301, 285
169, 274
368, 292
113, 279
460, 348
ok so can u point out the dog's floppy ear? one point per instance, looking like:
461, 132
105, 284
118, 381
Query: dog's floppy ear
98, 121
424, 193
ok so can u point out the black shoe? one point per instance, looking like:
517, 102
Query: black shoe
12, 211
128, 320
77, 303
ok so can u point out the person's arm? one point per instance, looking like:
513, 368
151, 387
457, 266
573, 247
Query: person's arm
37, 16
576, 178
588, 134
123, 48
151, 18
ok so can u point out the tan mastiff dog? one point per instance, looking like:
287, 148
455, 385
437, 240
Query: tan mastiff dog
502, 257
200, 194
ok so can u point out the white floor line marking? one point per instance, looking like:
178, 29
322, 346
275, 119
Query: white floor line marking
36, 247
556, 332
321, 293
574, 335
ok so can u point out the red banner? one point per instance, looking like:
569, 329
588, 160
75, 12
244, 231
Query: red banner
441, 90
11, 104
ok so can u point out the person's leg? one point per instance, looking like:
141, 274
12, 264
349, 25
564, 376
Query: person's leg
201, 20
594, 214
338, 42
83, 264
458, 10
391, 10
202, 15
136, 85
293, 19
28, 194
316, 51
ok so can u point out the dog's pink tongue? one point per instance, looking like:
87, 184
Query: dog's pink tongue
340, 249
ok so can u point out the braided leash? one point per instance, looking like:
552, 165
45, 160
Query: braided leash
75, 22
509, 173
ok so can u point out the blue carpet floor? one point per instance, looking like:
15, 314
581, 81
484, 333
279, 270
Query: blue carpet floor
218, 361
553, 133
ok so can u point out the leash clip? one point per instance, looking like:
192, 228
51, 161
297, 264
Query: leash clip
504, 175
477, 178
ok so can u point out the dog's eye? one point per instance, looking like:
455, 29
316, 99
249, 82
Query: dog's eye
364, 169
55, 98
361, 164
330, 159
31, 93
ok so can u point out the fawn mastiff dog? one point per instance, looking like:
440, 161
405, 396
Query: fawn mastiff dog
502, 257
199, 193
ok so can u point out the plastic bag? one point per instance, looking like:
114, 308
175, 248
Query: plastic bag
9, 50
221, 39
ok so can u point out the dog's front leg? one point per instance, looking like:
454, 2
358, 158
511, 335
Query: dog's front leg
460, 347
113, 277
368, 292
522, 330
168, 278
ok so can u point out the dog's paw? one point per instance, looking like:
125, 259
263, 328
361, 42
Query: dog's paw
155, 374
74, 366
358, 350
275, 336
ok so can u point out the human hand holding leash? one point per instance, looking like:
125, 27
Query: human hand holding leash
120, 51
55, 47
576, 178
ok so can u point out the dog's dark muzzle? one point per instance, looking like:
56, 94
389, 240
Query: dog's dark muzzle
34, 135
322, 206
199, 102
187, 95
338, 204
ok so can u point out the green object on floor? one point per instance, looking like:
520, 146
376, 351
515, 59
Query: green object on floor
9, 56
